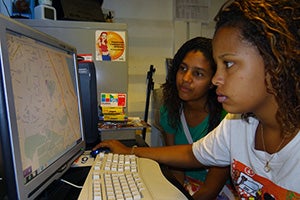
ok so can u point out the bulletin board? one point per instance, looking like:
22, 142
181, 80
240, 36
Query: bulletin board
192, 10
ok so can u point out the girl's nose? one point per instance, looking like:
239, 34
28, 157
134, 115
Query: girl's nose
187, 77
217, 78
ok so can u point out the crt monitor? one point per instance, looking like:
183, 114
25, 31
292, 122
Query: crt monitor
40, 113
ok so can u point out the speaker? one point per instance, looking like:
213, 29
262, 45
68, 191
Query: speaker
88, 92
44, 12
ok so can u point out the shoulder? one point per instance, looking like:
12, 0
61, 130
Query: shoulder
163, 112
232, 121
163, 119
229, 136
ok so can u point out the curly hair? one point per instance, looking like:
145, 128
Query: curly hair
273, 26
171, 100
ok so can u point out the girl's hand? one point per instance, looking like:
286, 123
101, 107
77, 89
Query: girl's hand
115, 146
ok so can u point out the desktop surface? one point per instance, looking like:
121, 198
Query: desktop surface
59, 190
81, 176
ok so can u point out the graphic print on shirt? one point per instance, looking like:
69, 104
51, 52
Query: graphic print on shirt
250, 185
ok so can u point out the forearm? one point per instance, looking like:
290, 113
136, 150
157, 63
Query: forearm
170, 138
176, 156
214, 182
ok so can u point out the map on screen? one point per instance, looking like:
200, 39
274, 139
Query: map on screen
47, 117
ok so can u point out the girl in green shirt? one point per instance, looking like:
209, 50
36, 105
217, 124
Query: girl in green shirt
190, 101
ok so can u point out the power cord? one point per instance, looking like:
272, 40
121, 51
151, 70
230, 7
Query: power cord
76, 186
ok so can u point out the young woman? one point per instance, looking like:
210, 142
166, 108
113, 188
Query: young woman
190, 108
257, 50
103, 46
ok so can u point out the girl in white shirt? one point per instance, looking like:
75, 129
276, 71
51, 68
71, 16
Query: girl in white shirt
256, 48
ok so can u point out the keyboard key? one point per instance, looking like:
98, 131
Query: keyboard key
119, 176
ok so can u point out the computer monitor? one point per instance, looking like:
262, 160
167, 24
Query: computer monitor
41, 129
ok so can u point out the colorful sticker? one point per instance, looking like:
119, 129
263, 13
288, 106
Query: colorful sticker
113, 99
110, 46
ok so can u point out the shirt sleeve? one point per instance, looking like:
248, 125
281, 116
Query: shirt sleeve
164, 120
214, 148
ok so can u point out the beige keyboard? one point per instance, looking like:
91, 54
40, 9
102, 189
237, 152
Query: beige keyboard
116, 176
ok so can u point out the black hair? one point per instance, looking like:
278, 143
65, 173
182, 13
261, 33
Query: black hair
171, 100
273, 26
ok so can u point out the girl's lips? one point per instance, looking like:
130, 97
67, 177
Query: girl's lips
221, 98
184, 89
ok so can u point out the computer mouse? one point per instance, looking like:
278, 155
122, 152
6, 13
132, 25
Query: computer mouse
97, 151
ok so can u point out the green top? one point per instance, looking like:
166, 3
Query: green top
197, 133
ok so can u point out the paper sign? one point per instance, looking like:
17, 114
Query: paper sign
110, 45
113, 99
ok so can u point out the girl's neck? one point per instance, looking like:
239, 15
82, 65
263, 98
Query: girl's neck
198, 106
194, 113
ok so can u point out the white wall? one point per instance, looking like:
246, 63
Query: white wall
153, 36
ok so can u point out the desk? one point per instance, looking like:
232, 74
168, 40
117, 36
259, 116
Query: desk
124, 130
59, 190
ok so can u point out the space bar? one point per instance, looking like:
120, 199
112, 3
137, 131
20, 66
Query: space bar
156, 183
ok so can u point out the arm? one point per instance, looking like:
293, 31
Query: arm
170, 138
214, 182
179, 174
176, 156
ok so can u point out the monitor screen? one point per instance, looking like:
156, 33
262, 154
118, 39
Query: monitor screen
41, 108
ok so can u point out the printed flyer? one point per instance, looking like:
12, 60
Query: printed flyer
110, 45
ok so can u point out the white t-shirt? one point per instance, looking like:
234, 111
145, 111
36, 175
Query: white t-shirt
232, 143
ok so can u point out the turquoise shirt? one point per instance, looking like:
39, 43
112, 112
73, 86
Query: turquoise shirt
197, 133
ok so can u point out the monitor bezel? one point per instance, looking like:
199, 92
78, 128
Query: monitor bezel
9, 132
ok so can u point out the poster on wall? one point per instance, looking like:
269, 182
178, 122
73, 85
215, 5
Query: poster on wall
110, 45
196, 10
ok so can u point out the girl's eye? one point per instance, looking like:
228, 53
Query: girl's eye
198, 73
182, 68
228, 64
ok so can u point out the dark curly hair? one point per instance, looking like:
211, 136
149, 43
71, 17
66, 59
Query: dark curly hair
171, 100
273, 26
